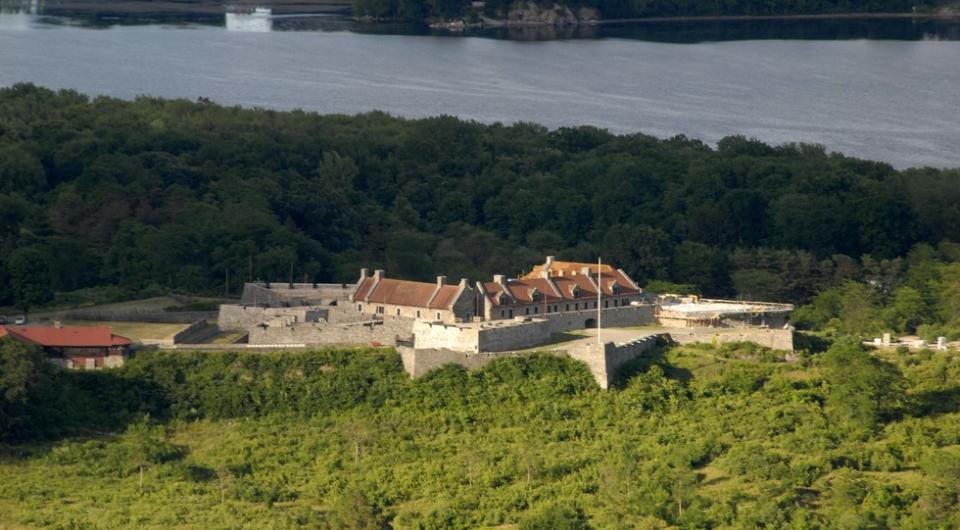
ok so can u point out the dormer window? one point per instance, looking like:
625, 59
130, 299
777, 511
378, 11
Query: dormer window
615, 288
577, 291
502, 299
536, 295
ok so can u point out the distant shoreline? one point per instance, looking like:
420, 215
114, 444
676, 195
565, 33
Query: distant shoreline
345, 7
202, 7
734, 18
487, 23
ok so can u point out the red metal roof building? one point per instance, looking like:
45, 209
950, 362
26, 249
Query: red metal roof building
74, 346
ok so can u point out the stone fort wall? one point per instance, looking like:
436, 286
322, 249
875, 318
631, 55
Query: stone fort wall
487, 337
613, 317
522, 333
603, 360
777, 339
383, 331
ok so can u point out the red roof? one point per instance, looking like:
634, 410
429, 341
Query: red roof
406, 293
567, 268
523, 289
363, 288
66, 337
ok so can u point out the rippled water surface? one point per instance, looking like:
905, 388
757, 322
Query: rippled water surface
885, 90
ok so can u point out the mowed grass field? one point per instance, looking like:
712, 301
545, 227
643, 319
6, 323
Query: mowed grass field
135, 331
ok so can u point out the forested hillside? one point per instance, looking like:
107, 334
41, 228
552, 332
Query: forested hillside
179, 195
696, 438
421, 9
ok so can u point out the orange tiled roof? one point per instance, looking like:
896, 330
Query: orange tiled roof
568, 268
521, 289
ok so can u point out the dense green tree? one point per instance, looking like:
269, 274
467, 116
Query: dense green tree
861, 391
178, 195
23, 370
940, 496
700, 265
146, 444
20, 171
907, 310
858, 311
557, 516
352, 510
30, 281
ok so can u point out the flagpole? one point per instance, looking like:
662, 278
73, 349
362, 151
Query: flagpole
599, 294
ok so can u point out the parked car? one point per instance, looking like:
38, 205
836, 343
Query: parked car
20, 321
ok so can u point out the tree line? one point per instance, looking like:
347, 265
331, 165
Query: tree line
155, 195
418, 10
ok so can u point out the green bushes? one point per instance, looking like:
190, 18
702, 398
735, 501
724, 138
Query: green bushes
527, 442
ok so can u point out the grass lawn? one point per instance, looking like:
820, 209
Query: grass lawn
136, 330
226, 337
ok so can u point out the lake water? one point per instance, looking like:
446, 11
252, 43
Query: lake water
884, 90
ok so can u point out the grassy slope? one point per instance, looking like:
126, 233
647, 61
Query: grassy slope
479, 463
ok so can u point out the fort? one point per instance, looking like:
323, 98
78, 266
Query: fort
470, 323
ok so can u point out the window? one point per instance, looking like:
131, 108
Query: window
503, 314
528, 310
594, 305
536, 309
438, 316
418, 314
568, 307
624, 301
511, 313
380, 310
606, 304
360, 307
398, 311
614, 302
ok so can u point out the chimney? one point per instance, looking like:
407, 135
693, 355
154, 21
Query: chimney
463, 283
545, 273
364, 273
441, 281
379, 274
500, 279
549, 262
585, 271
57, 324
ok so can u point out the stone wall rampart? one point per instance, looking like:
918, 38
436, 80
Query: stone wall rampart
383, 331
605, 360
777, 339
238, 317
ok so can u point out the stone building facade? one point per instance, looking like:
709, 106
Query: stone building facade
382, 297
558, 287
